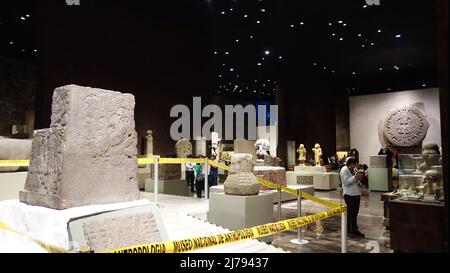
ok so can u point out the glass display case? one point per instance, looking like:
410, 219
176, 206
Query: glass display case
420, 177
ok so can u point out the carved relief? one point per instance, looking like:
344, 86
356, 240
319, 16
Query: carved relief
405, 126
123, 231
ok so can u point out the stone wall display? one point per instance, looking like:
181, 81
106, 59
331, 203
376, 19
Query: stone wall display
167, 171
305, 180
404, 127
183, 148
276, 175
240, 179
88, 155
14, 149
121, 231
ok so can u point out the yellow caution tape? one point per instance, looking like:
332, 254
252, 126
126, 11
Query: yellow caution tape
14, 163
191, 244
219, 165
48, 247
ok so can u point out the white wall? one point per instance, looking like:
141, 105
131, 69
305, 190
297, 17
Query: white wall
366, 111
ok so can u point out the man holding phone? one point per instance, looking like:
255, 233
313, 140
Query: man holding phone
350, 179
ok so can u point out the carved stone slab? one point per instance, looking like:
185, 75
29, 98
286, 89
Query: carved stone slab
88, 155
121, 231
405, 126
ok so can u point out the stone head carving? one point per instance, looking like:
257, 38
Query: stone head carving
241, 163
183, 148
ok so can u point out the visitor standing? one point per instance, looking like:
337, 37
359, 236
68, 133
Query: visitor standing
199, 179
213, 174
190, 174
350, 179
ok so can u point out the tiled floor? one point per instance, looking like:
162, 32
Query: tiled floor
329, 240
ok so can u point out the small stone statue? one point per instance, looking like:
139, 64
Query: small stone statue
302, 154
241, 180
215, 140
149, 143
262, 147
317, 154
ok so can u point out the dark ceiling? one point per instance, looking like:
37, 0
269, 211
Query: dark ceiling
358, 48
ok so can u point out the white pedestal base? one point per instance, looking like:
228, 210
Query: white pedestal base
11, 184
239, 212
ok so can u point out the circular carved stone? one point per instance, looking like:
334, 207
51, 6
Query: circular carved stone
406, 126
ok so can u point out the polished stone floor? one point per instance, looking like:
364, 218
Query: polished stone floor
327, 239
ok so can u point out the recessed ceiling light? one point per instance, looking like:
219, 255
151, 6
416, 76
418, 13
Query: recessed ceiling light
226, 52
231, 69
344, 25
259, 64
258, 22
245, 15
398, 36
314, 64
359, 34
365, 6
237, 40
251, 36
263, 10
339, 22
341, 39
267, 52
379, 30
302, 23
27, 15
424, 85
330, 24
22, 18
215, 52
292, 26
380, 69
280, 57
223, 12
333, 34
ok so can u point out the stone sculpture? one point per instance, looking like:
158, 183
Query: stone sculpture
88, 155
121, 231
404, 127
14, 149
262, 146
215, 140
183, 148
302, 154
148, 143
241, 180
317, 154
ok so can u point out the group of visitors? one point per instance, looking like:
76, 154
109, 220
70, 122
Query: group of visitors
196, 173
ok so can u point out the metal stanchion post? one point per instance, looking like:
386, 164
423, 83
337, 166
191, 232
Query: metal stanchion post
344, 232
299, 240
206, 179
279, 203
155, 177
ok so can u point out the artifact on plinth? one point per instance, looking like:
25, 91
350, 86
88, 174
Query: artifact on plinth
404, 128
317, 154
148, 143
167, 172
14, 149
262, 146
88, 155
215, 141
183, 148
302, 154
241, 180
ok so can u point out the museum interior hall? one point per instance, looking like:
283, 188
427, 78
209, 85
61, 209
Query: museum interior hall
224, 126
